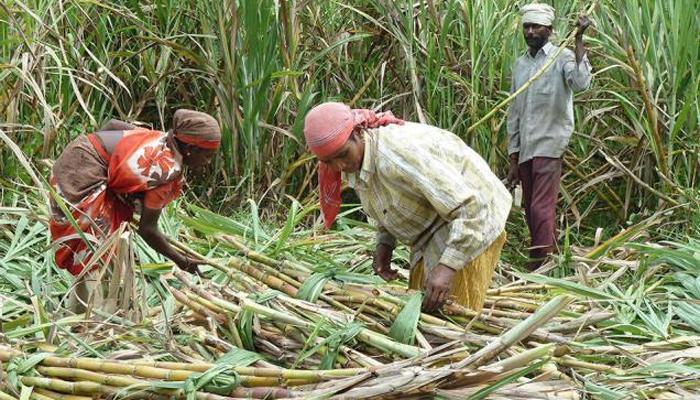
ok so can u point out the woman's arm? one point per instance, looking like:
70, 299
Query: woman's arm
148, 230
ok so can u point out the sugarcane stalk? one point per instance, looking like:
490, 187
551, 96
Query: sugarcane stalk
511, 304
39, 396
370, 337
522, 359
59, 396
629, 349
574, 363
518, 332
194, 305
126, 381
521, 288
581, 322
209, 305
84, 375
247, 252
112, 367
206, 295
291, 331
263, 393
277, 273
58, 385
5, 396
268, 279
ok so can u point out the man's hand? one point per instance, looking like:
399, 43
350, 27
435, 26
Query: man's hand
513, 177
382, 263
438, 288
582, 24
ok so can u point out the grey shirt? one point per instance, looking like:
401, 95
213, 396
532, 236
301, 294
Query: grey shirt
541, 119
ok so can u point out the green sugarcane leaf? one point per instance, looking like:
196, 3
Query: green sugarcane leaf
245, 328
26, 393
343, 335
255, 217
239, 358
689, 313
404, 327
570, 287
483, 393
666, 368
214, 379
313, 286
287, 229
245, 318
603, 392
354, 277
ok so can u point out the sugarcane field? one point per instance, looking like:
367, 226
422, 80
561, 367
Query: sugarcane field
385, 199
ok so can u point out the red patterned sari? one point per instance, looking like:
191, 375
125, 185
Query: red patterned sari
102, 190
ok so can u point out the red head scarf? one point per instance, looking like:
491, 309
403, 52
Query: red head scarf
327, 128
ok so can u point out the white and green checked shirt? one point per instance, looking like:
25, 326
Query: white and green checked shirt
425, 187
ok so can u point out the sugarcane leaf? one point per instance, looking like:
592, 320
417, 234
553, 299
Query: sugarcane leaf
570, 287
665, 368
689, 313
692, 284
40, 316
245, 318
355, 277
483, 393
311, 338
25, 393
21, 366
245, 328
214, 379
602, 392
343, 335
404, 327
657, 319
681, 255
287, 229
239, 358
209, 222
255, 218
313, 286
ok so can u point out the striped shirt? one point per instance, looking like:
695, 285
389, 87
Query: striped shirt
425, 187
541, 119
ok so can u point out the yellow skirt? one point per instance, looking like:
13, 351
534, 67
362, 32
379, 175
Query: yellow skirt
471, 282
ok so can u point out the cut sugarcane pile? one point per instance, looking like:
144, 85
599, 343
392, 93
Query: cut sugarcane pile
269, 325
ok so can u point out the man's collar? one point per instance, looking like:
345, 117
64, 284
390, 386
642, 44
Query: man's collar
359, 179
548, 48
368, 160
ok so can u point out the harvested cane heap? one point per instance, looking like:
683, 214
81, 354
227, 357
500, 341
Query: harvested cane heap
273, 327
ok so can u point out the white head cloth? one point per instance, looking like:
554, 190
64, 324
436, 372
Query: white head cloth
537, 13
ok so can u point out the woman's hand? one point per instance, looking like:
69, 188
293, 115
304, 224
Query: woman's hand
190, 265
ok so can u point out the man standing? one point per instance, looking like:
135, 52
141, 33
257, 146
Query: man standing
540, 122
